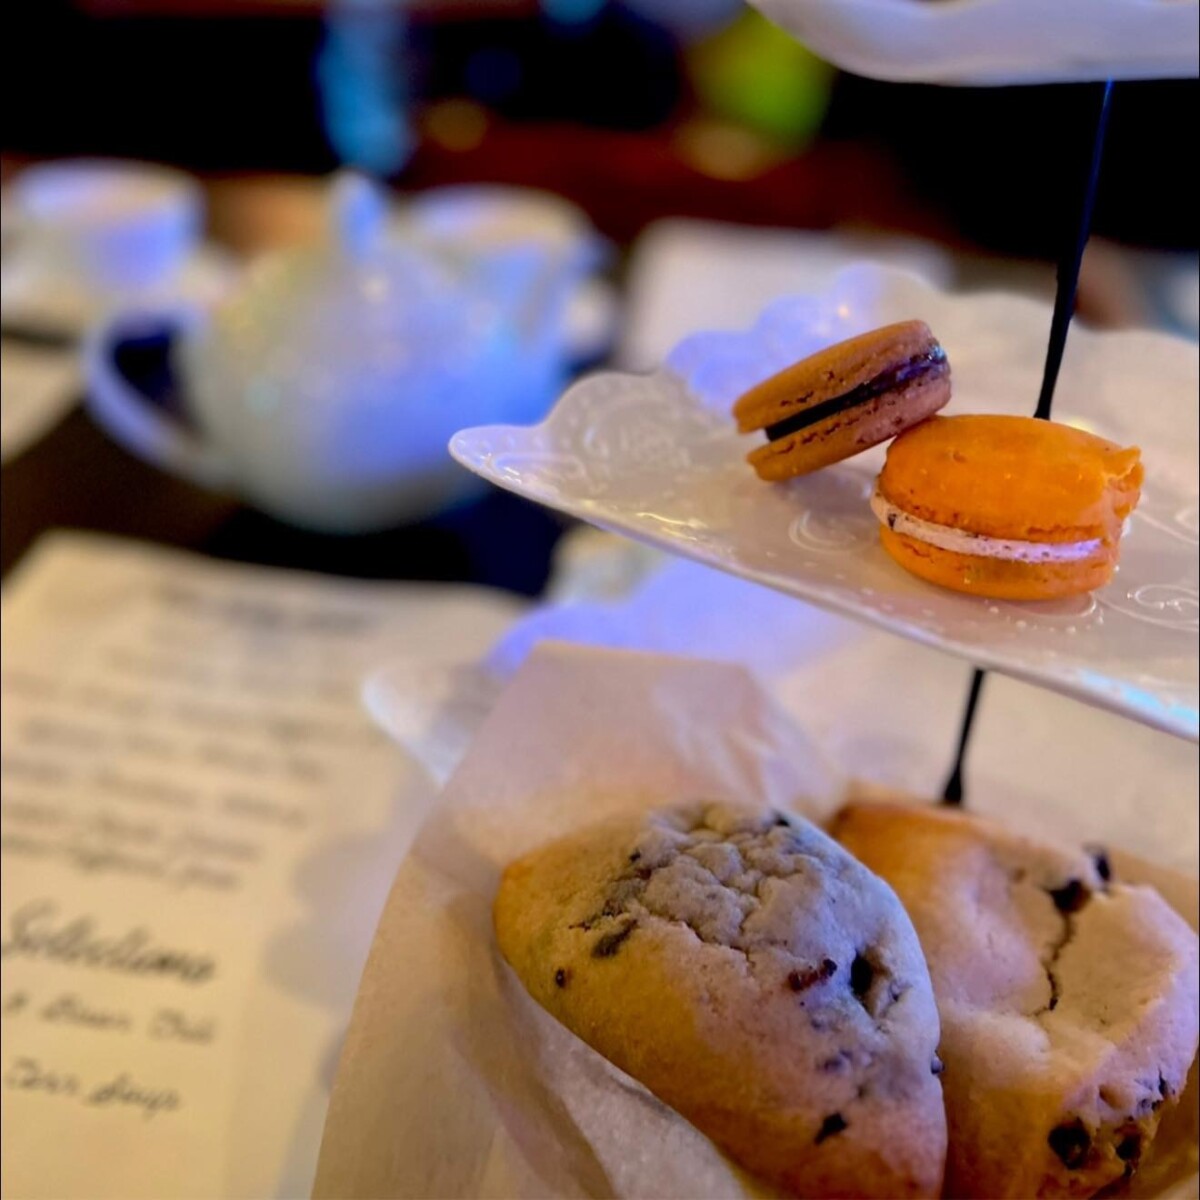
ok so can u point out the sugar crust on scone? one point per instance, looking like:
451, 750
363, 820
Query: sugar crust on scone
753, 976
1068, 999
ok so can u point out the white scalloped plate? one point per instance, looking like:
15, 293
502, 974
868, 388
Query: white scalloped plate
656, 457
998, 41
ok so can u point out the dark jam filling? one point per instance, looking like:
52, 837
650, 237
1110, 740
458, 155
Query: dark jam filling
930, 363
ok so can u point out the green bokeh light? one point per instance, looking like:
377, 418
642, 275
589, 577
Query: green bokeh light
754, 73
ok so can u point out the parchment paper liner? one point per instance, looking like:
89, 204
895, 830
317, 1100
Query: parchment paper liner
452, 1081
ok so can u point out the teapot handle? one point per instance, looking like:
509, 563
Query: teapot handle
134, 422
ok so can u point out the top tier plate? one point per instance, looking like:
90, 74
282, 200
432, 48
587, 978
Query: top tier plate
656, 457
998, 41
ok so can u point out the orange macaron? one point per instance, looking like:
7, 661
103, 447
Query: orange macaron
844, 399
1008, 507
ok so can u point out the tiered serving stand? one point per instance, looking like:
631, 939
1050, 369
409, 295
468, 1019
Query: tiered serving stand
656, 457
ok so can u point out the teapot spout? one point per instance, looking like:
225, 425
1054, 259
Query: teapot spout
358, 213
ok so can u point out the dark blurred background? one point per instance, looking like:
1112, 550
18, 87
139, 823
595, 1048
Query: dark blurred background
633, 111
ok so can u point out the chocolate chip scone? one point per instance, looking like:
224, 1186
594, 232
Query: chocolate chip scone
754, 977
1068, 1000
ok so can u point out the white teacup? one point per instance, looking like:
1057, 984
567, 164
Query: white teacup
108, 226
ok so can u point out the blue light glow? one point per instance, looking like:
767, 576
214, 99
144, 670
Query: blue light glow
360, 74
572, 12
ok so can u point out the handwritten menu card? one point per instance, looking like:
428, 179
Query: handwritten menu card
199, 827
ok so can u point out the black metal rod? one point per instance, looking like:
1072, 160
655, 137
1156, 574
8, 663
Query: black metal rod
952, 793
1066, 288
1070, 263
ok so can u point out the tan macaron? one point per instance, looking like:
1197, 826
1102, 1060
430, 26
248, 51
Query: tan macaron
844, 399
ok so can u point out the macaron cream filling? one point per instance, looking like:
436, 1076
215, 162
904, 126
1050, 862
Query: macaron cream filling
962, 541
930, 363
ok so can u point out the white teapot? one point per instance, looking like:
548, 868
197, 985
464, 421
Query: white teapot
324, 390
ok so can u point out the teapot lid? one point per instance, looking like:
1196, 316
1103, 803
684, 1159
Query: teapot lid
362, 297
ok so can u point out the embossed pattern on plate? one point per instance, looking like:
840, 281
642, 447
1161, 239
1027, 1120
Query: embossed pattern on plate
656, 457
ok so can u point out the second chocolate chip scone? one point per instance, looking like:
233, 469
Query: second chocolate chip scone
1068, 999
752, 975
